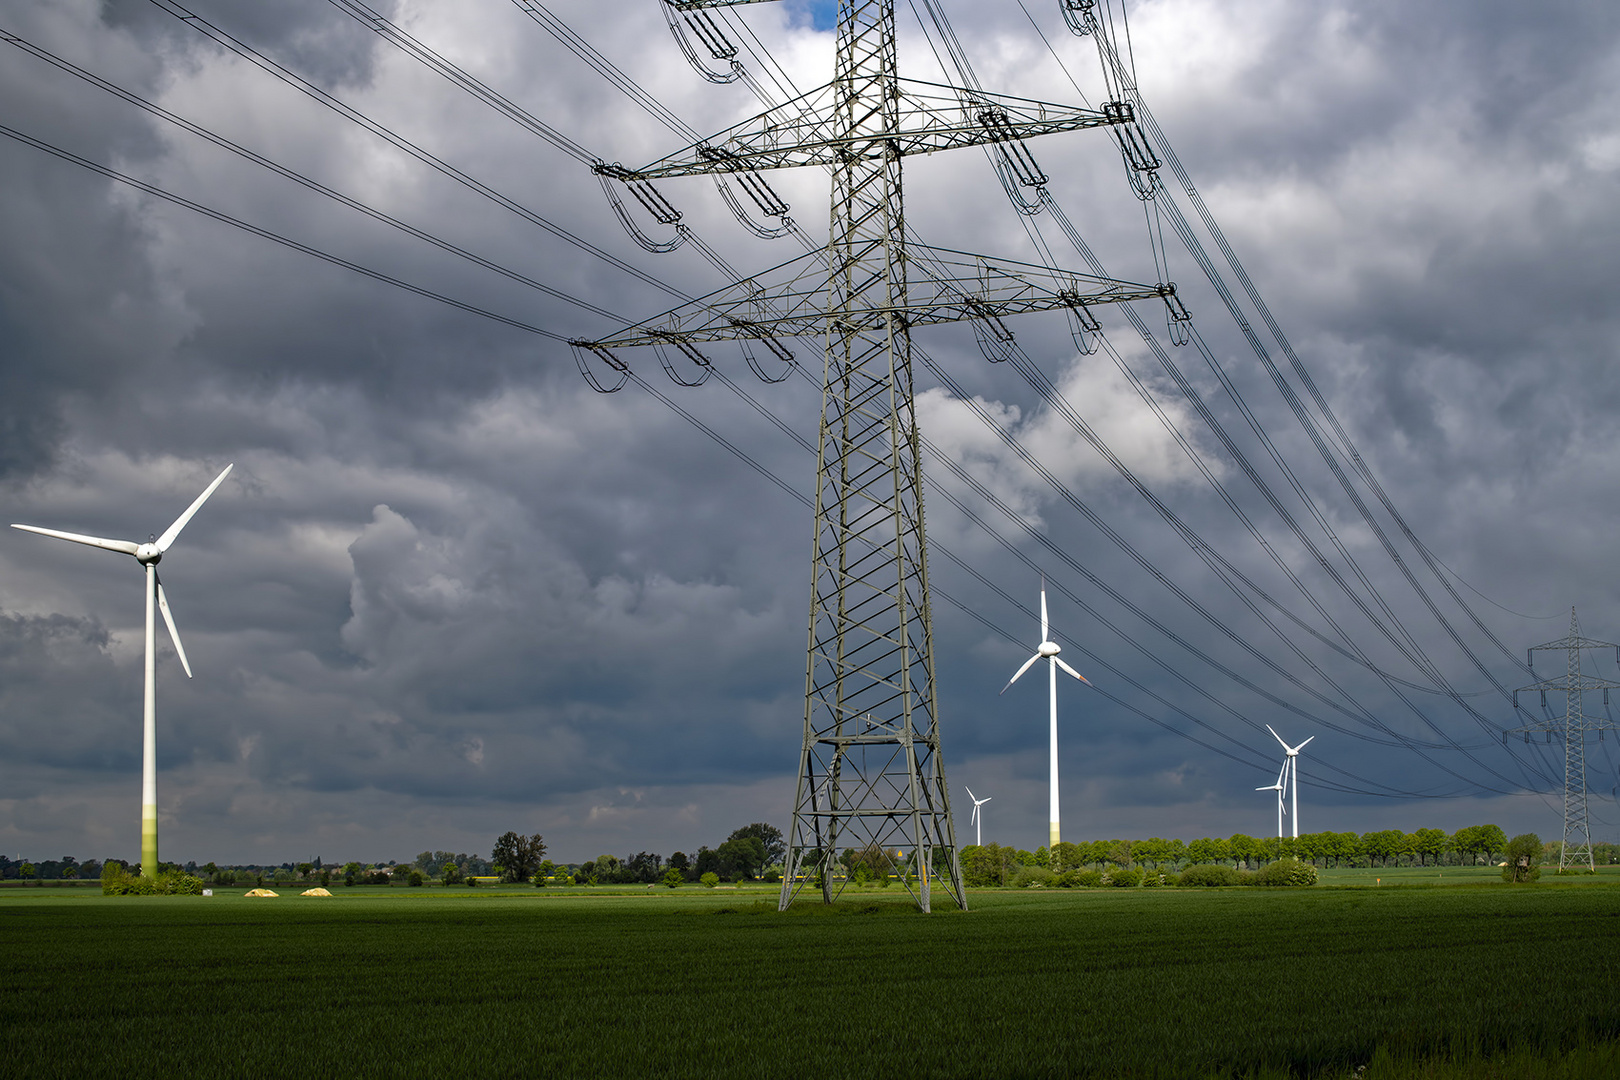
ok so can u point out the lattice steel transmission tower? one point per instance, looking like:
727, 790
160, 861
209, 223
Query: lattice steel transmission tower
871, 774
1572, 727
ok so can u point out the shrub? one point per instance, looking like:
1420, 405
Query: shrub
709, 880
1123, 877
1286, 872
1153, 879
1033, 877
416, 879
673, 878
1080, 879
1207, 876
116, 881
771, 876
1523, 853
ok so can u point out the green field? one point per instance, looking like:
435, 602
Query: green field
694, 982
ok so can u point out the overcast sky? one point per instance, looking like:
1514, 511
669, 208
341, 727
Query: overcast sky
449, 590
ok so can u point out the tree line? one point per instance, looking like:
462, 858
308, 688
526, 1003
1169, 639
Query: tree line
1470, 846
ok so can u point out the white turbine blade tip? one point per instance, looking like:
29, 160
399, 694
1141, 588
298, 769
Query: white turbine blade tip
173, 531
174, 634
127, 547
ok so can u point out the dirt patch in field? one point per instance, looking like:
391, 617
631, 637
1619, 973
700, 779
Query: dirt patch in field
260, 892
317, 891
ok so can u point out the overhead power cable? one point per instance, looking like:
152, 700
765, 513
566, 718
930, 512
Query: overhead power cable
263, 62
435, 295
1409, 643
237, 223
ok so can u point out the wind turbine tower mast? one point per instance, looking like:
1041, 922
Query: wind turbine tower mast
871, 772
1576, 849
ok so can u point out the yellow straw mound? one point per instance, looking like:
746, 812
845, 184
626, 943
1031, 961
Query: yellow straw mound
260, 892
317, 891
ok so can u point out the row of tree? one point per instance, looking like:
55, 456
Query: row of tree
757, 850
992, 863
747, 853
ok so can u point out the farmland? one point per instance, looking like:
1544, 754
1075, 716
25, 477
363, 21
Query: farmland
1308, 982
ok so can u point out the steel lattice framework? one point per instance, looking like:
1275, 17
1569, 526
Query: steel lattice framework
871, 774
1572, 726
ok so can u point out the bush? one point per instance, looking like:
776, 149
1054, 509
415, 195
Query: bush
1153, 879
673, 878
771, 877
1286, 872
1033, 877
116, 881
1123, 877
1207, 876
709, 880
450, 874
1080, 879
1523, 853
416, 879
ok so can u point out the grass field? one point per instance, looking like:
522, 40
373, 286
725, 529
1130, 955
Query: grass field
1311, 982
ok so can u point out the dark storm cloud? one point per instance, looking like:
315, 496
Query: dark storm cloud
450, 591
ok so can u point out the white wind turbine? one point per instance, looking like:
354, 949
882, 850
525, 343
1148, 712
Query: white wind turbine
148, 555
1290, 777
978, 821
1049, 649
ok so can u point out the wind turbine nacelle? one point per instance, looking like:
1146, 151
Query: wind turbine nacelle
147, 554
1048, 649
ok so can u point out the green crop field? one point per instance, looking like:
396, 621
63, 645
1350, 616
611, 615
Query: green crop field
692, 982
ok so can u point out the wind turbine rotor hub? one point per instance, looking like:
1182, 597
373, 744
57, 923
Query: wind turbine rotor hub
147, 554
1049, 648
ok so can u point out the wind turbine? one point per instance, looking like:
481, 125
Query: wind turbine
1291, 771
978, 821
1049, 649
148, 555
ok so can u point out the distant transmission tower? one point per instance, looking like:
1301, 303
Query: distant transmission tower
1572, 728
871, 776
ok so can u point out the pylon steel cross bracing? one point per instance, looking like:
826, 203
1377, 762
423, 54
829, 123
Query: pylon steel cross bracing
1572, 727
871, 773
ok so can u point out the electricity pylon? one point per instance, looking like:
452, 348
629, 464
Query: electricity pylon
1572, 726
871, 775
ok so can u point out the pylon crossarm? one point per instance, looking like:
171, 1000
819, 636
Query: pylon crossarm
693, 5
948, 286
808, 130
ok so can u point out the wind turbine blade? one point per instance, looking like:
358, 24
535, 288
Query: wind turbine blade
1020, 671
174, 634
1278, 737
972, 796
1058, 660
1301, 746
1043, 607
173, 531
128, 547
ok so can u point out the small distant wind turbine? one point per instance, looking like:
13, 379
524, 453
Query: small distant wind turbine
1278, 788
1291, 773
148, 555
978, 821
1049, 649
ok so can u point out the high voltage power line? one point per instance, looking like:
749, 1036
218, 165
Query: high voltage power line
490, 265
